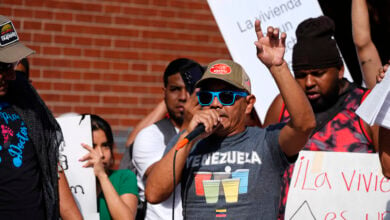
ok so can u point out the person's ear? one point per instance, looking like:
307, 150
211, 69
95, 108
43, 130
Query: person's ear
250, 100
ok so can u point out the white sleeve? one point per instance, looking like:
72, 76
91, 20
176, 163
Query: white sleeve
148, 148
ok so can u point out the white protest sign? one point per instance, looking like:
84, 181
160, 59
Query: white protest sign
375, 108
335, 185
236, 19
82, 181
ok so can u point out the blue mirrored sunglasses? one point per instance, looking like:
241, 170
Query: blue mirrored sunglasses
205, 98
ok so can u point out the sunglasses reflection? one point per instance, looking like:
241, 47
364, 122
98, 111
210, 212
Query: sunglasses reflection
225, 97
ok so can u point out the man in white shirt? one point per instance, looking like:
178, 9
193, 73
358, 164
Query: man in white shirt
150, 143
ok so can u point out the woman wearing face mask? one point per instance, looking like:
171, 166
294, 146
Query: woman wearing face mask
116, 189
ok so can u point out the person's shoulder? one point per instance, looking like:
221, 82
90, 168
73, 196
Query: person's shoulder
150, 128
255, 132
355, 93
353, 86
124, 181
267, 135
146, 133
254, 129
259, 132
123, 173
273, 129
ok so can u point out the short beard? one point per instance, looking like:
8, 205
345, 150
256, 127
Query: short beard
177, 120
325, 103
331, 99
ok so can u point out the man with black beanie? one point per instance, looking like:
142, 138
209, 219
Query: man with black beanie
318, 69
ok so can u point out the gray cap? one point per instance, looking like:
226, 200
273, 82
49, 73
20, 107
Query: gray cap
11, 49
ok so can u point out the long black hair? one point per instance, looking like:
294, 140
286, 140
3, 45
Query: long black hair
45, 134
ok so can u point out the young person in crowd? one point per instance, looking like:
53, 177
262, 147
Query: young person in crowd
116, 189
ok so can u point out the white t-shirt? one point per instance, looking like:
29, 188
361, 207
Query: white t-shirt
148, 148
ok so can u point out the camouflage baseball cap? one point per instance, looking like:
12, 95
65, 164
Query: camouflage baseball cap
11, 49
227, 71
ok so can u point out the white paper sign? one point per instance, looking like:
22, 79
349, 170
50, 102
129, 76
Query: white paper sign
375, 108
235, 19
82, 181
335, 185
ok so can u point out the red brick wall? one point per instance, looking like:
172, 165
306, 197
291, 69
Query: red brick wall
107, 57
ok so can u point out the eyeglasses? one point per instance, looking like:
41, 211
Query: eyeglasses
205, 98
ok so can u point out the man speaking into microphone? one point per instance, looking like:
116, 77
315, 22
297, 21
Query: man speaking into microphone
233, 171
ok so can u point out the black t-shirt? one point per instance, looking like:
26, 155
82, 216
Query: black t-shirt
20, 184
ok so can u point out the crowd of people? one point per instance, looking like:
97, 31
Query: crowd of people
204, 135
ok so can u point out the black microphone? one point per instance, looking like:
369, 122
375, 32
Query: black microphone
193, 134
196, 132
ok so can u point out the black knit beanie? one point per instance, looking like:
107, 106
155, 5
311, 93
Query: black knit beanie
315, 47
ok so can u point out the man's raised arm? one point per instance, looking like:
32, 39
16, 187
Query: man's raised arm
270, 51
